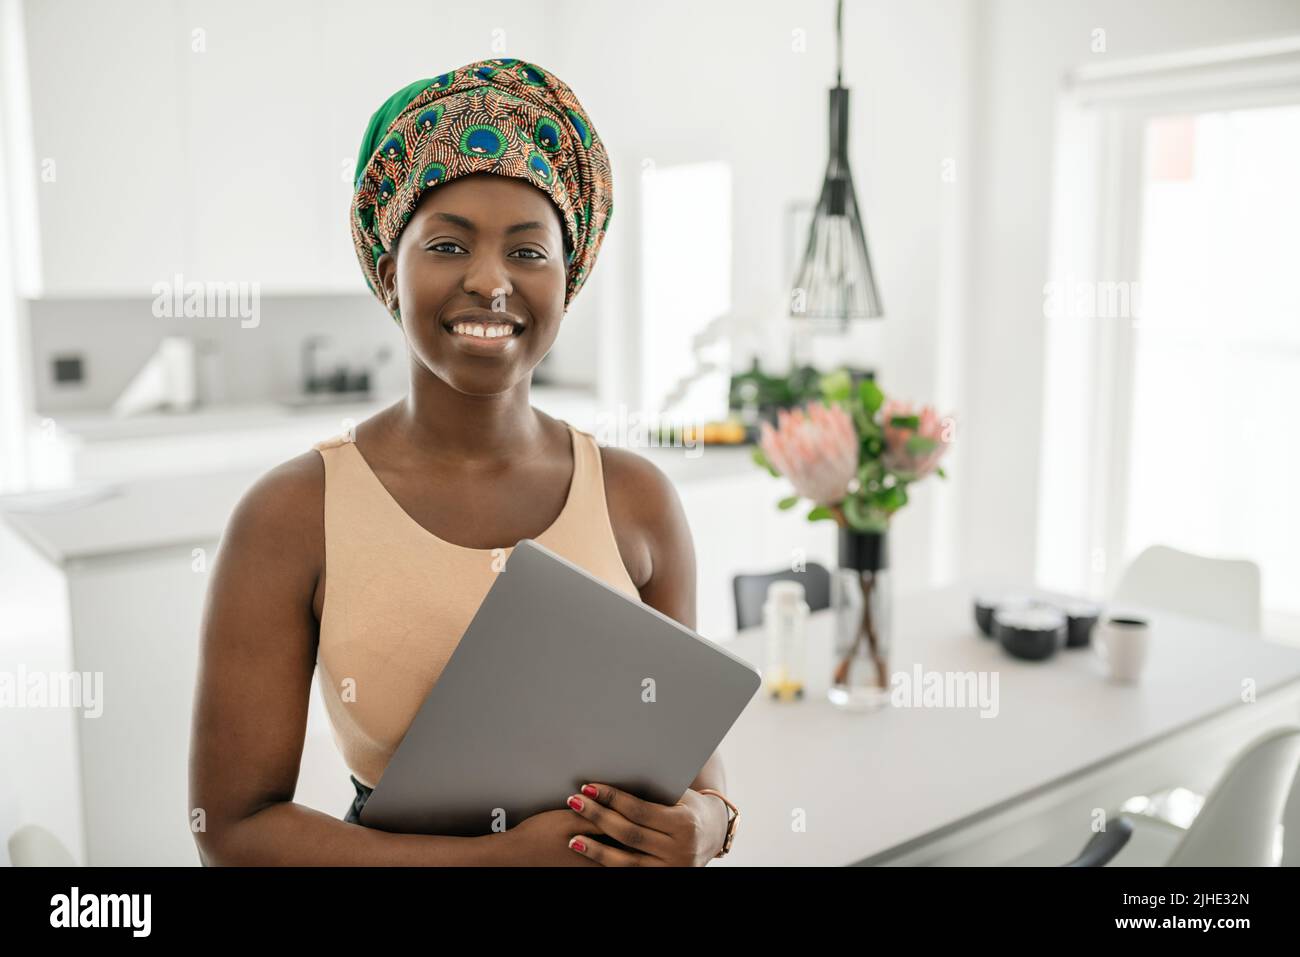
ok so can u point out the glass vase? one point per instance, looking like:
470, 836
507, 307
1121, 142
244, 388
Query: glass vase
863, 601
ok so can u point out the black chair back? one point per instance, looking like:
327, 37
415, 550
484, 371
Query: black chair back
751, 591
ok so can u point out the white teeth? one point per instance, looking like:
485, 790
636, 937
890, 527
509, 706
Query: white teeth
479, 331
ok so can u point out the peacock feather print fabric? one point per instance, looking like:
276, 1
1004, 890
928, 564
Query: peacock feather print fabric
503, 116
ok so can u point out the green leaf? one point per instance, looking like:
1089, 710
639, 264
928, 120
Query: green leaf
837, 386
920, 445
862, 420
871, 395
905, 421
864, 517
940, 472
855, 510
819, 513
891, 499
761, 460
788, 502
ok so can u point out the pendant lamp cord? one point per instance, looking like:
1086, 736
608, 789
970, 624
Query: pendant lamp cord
839, 43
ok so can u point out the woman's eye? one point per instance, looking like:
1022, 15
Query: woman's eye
439, 247
532, 253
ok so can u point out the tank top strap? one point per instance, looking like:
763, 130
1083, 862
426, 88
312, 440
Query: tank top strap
588, 476
333, 442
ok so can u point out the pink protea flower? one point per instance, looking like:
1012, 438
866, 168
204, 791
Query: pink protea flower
816, 448
906, 458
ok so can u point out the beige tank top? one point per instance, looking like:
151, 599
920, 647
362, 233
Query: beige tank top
398, 598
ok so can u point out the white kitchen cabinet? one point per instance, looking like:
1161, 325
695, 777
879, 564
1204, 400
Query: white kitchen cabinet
211, 148
727, 538
184, 156
112, 185
737, 528
135, 620
136, 569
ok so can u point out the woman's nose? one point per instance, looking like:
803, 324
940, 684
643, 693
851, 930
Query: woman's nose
487, 276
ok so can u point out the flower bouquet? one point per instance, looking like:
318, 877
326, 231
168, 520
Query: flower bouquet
852, 456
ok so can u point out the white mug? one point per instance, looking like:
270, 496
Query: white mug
1122, 643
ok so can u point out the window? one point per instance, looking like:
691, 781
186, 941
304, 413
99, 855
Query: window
1172, 311
1214, 447
686, 286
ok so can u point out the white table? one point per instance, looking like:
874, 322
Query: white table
947, 786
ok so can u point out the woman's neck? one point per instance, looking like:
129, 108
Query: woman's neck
487, 430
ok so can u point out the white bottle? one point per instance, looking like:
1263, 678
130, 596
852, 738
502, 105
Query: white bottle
785, 622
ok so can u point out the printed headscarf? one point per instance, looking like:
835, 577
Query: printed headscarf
503, 116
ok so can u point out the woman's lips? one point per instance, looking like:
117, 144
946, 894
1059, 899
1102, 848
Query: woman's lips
484, 337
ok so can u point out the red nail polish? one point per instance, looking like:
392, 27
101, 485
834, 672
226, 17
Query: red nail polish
575, 803
589, 790
577, 845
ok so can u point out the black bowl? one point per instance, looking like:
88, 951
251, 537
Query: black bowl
1082, 619
1031, 632
986, 603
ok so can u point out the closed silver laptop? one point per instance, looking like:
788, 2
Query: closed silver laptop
560, 679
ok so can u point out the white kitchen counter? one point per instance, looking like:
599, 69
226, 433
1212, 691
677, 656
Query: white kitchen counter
71, 448
101, 426
192, 509
136, 516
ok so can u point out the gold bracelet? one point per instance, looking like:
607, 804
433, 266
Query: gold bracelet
732, 823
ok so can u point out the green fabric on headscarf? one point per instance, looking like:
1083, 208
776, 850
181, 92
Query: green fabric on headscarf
382, 119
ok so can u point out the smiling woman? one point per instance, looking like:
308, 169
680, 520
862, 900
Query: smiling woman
482, 197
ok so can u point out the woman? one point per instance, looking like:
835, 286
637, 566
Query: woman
481, 201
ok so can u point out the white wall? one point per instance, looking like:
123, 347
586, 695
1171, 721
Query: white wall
726, 81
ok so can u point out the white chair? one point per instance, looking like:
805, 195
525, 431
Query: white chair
1222, 590
1239, 822
34, 846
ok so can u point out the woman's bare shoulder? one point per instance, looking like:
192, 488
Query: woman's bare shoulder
284, 507
636, 478
642, 498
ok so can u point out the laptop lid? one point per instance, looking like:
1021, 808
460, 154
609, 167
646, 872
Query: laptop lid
560, 679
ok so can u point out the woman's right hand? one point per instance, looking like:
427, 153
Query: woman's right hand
543, 840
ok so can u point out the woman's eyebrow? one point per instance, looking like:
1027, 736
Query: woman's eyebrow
466, 224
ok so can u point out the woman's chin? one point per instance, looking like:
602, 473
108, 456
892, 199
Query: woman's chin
488, 379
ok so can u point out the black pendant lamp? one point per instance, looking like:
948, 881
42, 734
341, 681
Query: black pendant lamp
834, 282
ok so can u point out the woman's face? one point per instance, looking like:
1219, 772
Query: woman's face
479, 278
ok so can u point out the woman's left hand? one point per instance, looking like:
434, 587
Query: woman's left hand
686, 834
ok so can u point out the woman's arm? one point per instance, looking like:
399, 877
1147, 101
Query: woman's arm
655, 540
256, 660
